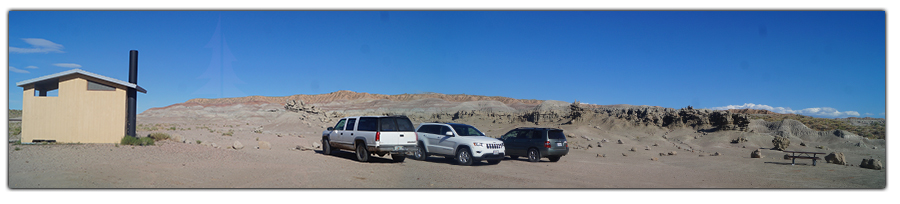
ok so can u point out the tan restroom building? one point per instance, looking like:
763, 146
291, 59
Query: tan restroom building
88, 108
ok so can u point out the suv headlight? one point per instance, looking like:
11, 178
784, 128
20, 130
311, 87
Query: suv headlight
478, 144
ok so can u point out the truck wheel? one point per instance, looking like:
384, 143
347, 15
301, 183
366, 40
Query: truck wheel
398, 157
464, 157
420, 153
554, 158
494, 161
534, 155
326, 147
362, 154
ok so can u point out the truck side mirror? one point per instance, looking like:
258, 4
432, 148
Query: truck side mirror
449, 133
330, 128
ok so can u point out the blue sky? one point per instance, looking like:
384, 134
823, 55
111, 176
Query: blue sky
818, 63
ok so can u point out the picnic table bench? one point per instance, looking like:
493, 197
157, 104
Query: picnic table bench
803, 155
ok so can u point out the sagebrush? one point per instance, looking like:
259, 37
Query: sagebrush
158, 136
137, 141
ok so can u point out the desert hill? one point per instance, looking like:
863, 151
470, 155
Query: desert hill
435, 107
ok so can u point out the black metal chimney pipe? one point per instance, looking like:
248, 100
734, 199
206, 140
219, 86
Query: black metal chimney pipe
132, 95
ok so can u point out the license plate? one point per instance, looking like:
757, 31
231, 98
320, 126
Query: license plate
398, 147
559, 144
496, 151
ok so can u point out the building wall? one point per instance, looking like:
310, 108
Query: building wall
76, 114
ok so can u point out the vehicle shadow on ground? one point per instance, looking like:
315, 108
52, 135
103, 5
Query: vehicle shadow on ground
440, 159
526, 160
352, 156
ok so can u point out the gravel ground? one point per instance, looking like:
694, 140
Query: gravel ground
180, 165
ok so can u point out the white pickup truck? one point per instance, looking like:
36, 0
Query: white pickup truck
461, 142
369, 135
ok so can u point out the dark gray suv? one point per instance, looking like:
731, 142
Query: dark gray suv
535, 143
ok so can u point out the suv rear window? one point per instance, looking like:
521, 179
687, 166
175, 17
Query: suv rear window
556, 134
395, 124
432, 129
465, 130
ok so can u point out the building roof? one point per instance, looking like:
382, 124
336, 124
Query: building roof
79, 71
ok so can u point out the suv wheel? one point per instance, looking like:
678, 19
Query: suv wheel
326, 147
534, 155
554, 158
398, 157
464, 157
420, 153
362, 154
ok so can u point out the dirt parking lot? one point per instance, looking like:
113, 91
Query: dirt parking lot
181, 165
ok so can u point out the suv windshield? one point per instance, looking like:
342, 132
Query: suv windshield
466, 130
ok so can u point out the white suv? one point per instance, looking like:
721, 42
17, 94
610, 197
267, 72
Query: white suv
462, 142
371, 135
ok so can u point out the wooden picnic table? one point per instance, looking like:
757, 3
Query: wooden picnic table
804, 155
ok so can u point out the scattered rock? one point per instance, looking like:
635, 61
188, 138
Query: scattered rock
292, 105
662, 154
589, 146
802, 144
316, 145
716, 154
673, 153
632, 149
781, 143
624, 155
647, 148
695, 137
177, 138
664, 137
264, 145
655, 144
570, 136
739, 140
601, 155
820, 147
756, 154
587, 138
604, 141
654, 159
787, 156
214, 145
860, 144
836, 158
871, 164
237, 145
620, 142
599, 144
